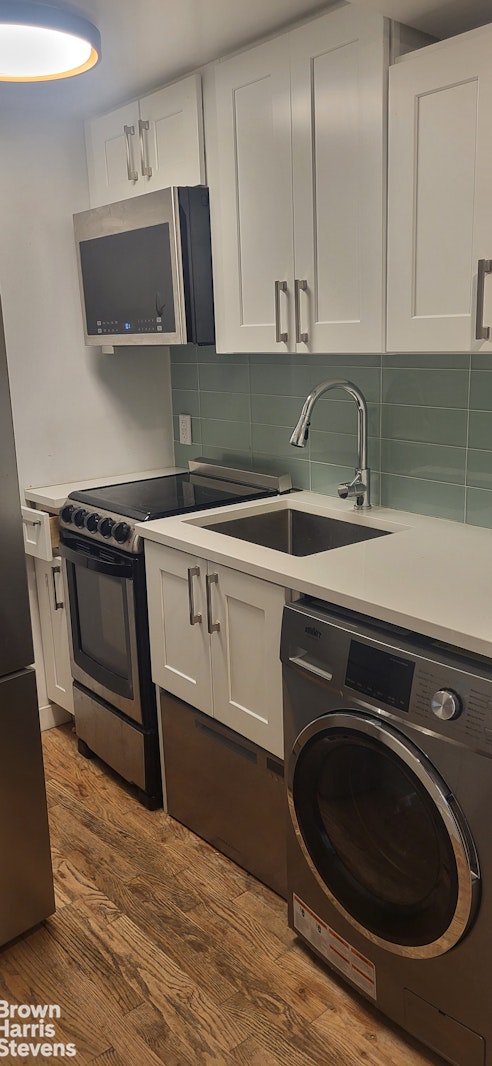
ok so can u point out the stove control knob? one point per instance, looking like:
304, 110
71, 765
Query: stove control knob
92, 522
79, 517
446, 705
121, 532
66, 513
106, 527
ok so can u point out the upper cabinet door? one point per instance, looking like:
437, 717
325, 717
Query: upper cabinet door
251, 203
112, 155
440, 219
297, 207
148, 145
338, 66
171, 136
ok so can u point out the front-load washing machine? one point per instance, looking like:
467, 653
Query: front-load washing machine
388, 763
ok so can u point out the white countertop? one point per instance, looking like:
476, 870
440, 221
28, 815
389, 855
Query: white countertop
431, 575
52, 497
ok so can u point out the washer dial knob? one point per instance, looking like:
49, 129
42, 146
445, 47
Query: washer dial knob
446, 705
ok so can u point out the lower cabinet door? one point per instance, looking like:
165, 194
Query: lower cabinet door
246, 668
179, 639
52, 602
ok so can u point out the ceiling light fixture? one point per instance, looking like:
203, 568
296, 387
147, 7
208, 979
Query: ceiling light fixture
43, 42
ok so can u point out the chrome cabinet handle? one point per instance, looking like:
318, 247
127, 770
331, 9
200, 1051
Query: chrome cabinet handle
280, 286
482, 333
143, 127
58, 603
195, 617
211, 579
298, 286
130, 165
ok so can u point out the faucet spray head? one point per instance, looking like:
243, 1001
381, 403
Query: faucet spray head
301, 431
300, 434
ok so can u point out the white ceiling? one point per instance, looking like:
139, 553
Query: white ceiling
147, 43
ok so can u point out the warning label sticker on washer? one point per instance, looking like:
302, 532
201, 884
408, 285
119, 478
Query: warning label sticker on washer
335, 949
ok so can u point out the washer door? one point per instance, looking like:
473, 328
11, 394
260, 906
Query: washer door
383, 835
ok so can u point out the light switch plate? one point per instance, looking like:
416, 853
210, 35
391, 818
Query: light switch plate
185, 429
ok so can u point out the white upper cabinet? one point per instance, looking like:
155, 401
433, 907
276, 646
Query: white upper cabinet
439, 203
297, 190
251, 202
148, 144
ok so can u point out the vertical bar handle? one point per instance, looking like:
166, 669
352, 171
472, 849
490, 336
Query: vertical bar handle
143, 128
211, 579
58, 603
482, 333
299, 284
280, 336
130, 165
195, 616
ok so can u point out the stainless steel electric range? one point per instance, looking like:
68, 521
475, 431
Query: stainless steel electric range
114, 697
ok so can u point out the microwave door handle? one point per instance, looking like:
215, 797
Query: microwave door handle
130, 165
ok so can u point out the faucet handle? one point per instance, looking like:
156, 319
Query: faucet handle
358, 487
351, 488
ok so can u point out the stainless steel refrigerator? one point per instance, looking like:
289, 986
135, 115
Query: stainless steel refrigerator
26, 880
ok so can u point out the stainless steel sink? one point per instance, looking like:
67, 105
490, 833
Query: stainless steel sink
295, 532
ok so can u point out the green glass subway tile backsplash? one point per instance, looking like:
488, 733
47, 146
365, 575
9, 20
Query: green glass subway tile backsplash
425, 388
480, 430
479, 507
479, 469
223, 434
430, 423
427, 425
423, 497
432, 462
234, 406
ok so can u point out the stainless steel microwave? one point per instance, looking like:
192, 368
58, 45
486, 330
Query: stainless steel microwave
145, 269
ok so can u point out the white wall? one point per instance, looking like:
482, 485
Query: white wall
77, 414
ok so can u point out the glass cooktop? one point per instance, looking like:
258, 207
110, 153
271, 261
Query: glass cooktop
171, 494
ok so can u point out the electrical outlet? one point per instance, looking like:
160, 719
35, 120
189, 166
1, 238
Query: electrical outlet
185, 429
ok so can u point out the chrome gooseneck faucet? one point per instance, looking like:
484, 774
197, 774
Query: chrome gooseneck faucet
359, 487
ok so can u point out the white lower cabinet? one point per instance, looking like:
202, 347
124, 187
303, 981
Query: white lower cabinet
41, 542
52, 603
215, 641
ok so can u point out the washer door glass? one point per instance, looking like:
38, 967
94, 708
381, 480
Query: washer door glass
384, 836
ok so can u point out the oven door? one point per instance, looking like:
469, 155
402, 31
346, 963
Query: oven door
383, 834
103, 630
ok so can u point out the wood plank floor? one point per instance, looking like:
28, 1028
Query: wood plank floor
161, 951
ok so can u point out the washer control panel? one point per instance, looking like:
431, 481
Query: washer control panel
455, 699
385, 670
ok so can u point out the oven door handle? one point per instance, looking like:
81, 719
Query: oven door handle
100, 566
